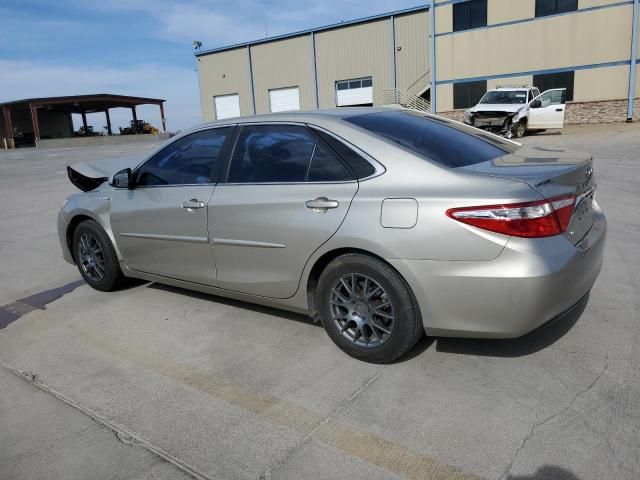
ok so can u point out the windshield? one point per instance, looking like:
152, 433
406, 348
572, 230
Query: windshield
505, 97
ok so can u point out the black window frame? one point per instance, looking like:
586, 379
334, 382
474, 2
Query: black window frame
219, 166
313, 132
546, 8
469, 14
549, 81
468, 100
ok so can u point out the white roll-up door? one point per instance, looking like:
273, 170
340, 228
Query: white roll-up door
354, 92
284, 99
227, 106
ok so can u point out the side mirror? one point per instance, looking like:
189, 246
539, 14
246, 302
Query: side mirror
536, 104
122, 179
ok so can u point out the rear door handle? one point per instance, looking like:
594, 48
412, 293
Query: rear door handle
559, 110
193, 204
321, 203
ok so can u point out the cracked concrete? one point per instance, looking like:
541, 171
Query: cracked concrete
245, 392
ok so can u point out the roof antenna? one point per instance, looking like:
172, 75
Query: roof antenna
266, 30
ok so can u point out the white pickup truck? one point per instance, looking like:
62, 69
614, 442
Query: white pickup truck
514, 111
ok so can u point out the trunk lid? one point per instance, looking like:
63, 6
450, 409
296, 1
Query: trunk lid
90, 175
551, 172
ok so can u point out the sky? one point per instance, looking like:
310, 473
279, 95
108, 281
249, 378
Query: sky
143, 47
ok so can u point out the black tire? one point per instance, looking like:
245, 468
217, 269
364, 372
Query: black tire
112, 277
407, 327
520, 129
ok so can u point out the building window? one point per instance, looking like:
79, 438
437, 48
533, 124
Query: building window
468, 94
471, 14
553, 7
556, 80
354, 92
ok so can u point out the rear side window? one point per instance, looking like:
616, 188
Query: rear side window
326, 167
189, 160
360, 167
271, 153
431, 138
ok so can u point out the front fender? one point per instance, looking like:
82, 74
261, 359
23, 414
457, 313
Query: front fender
95, 205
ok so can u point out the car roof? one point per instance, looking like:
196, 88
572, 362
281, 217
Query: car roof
329, 115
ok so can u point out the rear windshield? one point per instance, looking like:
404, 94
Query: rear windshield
434, 138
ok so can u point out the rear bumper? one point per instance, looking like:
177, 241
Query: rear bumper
530, 283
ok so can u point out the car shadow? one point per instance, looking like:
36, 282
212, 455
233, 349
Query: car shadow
296, 317
532, 342
546, 472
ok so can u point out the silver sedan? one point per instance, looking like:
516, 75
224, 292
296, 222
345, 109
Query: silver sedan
381, 224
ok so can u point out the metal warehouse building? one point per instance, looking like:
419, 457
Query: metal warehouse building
588, 46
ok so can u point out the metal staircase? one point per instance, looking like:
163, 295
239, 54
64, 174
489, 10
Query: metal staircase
410, 97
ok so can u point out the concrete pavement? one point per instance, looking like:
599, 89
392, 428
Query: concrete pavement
238, 391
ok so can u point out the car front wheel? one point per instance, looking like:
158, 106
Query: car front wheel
520, 129
96, 258
367, 309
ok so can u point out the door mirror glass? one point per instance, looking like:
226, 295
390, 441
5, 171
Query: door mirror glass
122, 179
536, 103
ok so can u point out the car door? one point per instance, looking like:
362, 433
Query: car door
160, 224
547, 109
286, 193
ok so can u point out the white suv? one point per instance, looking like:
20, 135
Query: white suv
513, 111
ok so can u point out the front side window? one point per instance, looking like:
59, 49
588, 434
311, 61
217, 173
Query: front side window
189, 160
432, 138
554, 97
471, 14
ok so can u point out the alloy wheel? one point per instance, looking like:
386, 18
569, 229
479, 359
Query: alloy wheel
91, 257
361, 310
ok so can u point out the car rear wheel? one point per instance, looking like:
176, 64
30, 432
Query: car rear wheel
367, 309
96, 258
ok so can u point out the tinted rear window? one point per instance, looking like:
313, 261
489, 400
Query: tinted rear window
434, 139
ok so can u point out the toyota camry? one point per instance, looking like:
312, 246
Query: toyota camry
382, 224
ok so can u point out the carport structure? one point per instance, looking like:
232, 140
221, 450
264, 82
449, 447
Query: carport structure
54, 113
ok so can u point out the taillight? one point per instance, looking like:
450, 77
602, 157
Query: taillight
542, 218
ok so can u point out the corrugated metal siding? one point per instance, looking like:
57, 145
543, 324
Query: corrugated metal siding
283, 63
354, 52
412, 37
234, 65
582, 38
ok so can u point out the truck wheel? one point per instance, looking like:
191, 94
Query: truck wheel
520, 129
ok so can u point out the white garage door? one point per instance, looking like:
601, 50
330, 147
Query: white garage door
354, 92
284, 99
227, 106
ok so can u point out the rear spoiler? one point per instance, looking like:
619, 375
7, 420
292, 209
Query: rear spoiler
83, 182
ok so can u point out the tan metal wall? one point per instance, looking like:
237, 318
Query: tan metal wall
224, 73
412, 37
283, 63
499, 11
609, 83
582, 38
352, 52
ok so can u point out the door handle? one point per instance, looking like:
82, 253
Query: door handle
321, 203
192, 204
559, 110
